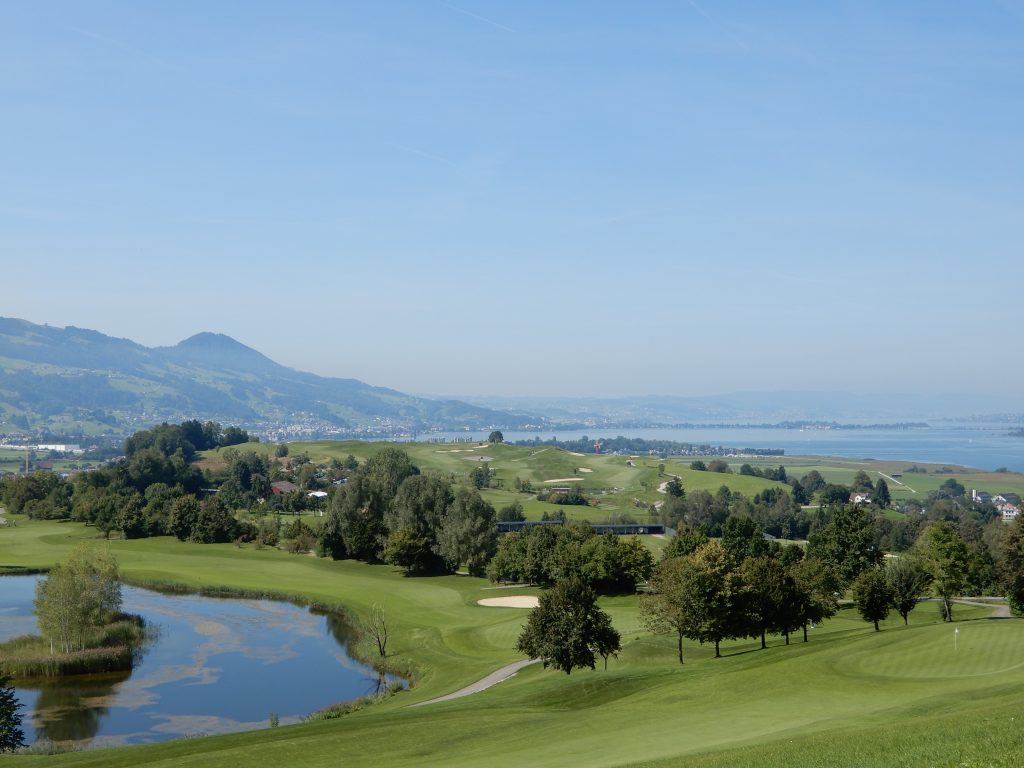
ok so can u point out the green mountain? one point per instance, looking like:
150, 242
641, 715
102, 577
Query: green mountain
62, 377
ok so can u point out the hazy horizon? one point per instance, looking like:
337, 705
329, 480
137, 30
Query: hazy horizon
589, 200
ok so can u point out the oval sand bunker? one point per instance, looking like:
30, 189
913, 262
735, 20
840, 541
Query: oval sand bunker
512, 601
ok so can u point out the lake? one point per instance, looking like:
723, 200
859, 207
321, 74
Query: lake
982, 446
216, 666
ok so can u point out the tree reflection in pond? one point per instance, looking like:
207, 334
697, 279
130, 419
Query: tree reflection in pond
218, 665
66, 710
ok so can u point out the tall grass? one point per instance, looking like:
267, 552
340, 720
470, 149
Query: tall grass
111, 648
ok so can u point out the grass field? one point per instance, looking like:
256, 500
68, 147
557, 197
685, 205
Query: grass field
907, 485
850, 697
614, 482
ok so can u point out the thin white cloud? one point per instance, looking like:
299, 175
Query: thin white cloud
421, 153
125, 48
478, 17
721, 27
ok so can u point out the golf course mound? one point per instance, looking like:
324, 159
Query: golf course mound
512, 601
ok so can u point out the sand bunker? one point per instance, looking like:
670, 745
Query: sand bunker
512, 601
573, 453
583, 469
478, 458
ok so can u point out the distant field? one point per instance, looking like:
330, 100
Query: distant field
617, 483
614, 482
908, 485
14, 461
850, 697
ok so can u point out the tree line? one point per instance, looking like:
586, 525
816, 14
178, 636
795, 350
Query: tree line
389, 511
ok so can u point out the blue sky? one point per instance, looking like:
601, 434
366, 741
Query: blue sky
528, 198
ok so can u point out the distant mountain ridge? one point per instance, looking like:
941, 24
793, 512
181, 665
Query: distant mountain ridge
754, 407
51, 376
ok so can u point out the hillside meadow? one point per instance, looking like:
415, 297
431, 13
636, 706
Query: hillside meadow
615, 483
903, 484
850, 697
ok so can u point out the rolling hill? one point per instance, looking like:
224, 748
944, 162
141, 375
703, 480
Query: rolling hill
60, 378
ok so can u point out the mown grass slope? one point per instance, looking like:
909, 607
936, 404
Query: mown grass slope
851, 696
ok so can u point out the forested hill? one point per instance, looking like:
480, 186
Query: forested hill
64, 377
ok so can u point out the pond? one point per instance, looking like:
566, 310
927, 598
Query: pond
216, 665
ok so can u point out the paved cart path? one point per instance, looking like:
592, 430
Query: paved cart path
484, 683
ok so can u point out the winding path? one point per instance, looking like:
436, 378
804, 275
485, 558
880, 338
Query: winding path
484, 683
1001, 610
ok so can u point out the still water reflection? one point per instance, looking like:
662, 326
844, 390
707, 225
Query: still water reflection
217, 665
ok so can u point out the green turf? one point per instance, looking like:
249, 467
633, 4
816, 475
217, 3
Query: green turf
907, 486
834, 701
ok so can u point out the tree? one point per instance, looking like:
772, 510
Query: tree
817, 591
698, 466
215, 524
511, 513
862, 482
686, 541
184, 514
943, 556
567, 627
331, 540
611, 564
872, 595
496, 437
481, 476
78, 595
377, 629
812, 482
951, 489
360, 506
1012, 570
833, 494
670, 606
847, 541
800, 495
387, 469
764, 597
742, 537
414, 517
695, 596
467, 534
907, 581
882, 496
130, 517
674, 487
411, 550
11, 735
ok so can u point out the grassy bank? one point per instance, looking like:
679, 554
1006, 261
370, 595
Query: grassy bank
850, 697
111, 648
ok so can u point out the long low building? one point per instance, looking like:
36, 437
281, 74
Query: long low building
620, 529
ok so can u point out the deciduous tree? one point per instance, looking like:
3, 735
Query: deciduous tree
567, 628
847, 541
467, 534
1012, 566
817, 591
943, 555
908, 582
872, 595
77, 595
